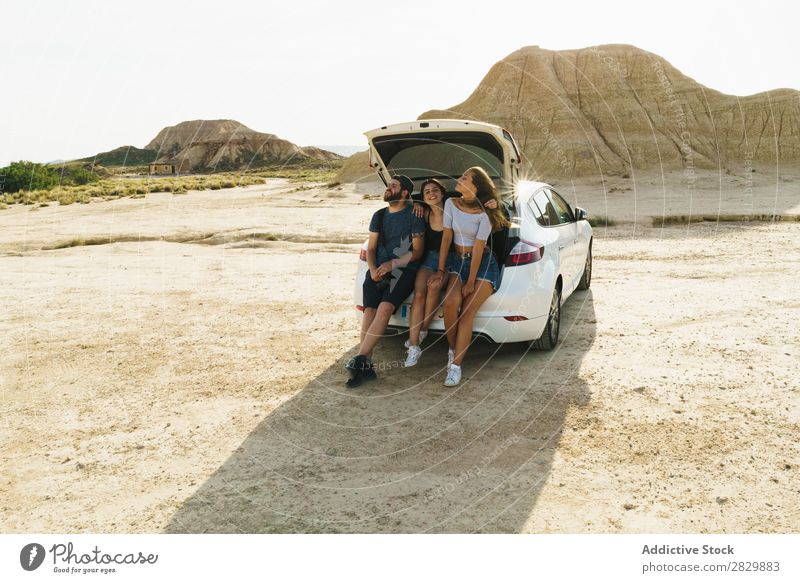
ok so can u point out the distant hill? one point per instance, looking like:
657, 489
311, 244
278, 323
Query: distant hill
320, 154
356, 169
122, 156
177, 137
212, 145
344, 150
209, 145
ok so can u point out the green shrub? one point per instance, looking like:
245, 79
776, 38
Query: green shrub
74, 175
601, 222
28, 175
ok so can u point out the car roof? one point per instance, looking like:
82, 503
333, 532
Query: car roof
526, 188
537, 185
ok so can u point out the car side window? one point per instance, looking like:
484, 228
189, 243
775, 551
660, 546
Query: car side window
543, 210
537, 213
562, 208
547, 209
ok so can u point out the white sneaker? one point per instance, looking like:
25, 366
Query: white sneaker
422, 335
414, 352
451, 354
453, 376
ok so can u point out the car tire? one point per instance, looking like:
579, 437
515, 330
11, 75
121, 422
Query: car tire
586, 278
549, 337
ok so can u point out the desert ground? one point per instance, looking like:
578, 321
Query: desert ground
184, 373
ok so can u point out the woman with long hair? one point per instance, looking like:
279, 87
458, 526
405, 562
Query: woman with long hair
426, 289
468, 223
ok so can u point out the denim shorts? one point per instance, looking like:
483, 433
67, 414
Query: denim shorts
488, 269
431, 261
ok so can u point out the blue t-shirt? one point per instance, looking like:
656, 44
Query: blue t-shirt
398, 230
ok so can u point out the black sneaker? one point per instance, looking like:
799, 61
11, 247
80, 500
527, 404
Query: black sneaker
363, 373
357, 363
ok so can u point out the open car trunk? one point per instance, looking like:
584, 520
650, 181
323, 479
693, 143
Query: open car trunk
443, 149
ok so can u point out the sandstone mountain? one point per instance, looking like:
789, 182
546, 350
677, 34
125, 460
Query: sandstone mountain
208, 145
356, 169
615, 109
178, 137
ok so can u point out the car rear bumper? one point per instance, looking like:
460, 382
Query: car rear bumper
497, 329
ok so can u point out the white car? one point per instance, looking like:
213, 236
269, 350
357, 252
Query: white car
543, 257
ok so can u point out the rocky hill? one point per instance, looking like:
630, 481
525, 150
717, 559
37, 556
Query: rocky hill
213, 145
613, 108
122, 156
320, 154
177, 137
356, 169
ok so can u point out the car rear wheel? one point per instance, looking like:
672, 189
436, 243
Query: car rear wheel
586, 278
549, 337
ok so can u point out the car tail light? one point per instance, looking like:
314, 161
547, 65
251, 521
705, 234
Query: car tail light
515, 318
360, 308
525, 252
362, 255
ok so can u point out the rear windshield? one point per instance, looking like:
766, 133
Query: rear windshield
427, 155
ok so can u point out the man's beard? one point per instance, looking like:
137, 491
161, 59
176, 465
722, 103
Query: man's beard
390, 196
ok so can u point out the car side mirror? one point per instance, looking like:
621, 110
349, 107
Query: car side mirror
581, 214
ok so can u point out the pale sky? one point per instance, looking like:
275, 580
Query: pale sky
83, 77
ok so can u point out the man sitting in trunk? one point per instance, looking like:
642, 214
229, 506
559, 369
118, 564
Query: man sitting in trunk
396, 244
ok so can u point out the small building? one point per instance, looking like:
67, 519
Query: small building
162, 168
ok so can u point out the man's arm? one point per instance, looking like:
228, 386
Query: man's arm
372, 251
372, 256
417, 246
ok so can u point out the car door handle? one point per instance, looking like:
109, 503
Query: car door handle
560, 247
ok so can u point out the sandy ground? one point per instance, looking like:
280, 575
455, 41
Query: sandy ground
189, 379
641, 196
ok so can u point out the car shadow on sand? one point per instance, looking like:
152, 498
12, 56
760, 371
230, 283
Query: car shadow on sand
405, 453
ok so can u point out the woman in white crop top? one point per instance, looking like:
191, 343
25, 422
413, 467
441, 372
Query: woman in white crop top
468, 225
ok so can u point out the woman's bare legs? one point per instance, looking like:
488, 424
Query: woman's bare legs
452, 303
470, 307
417, 314
432, 300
